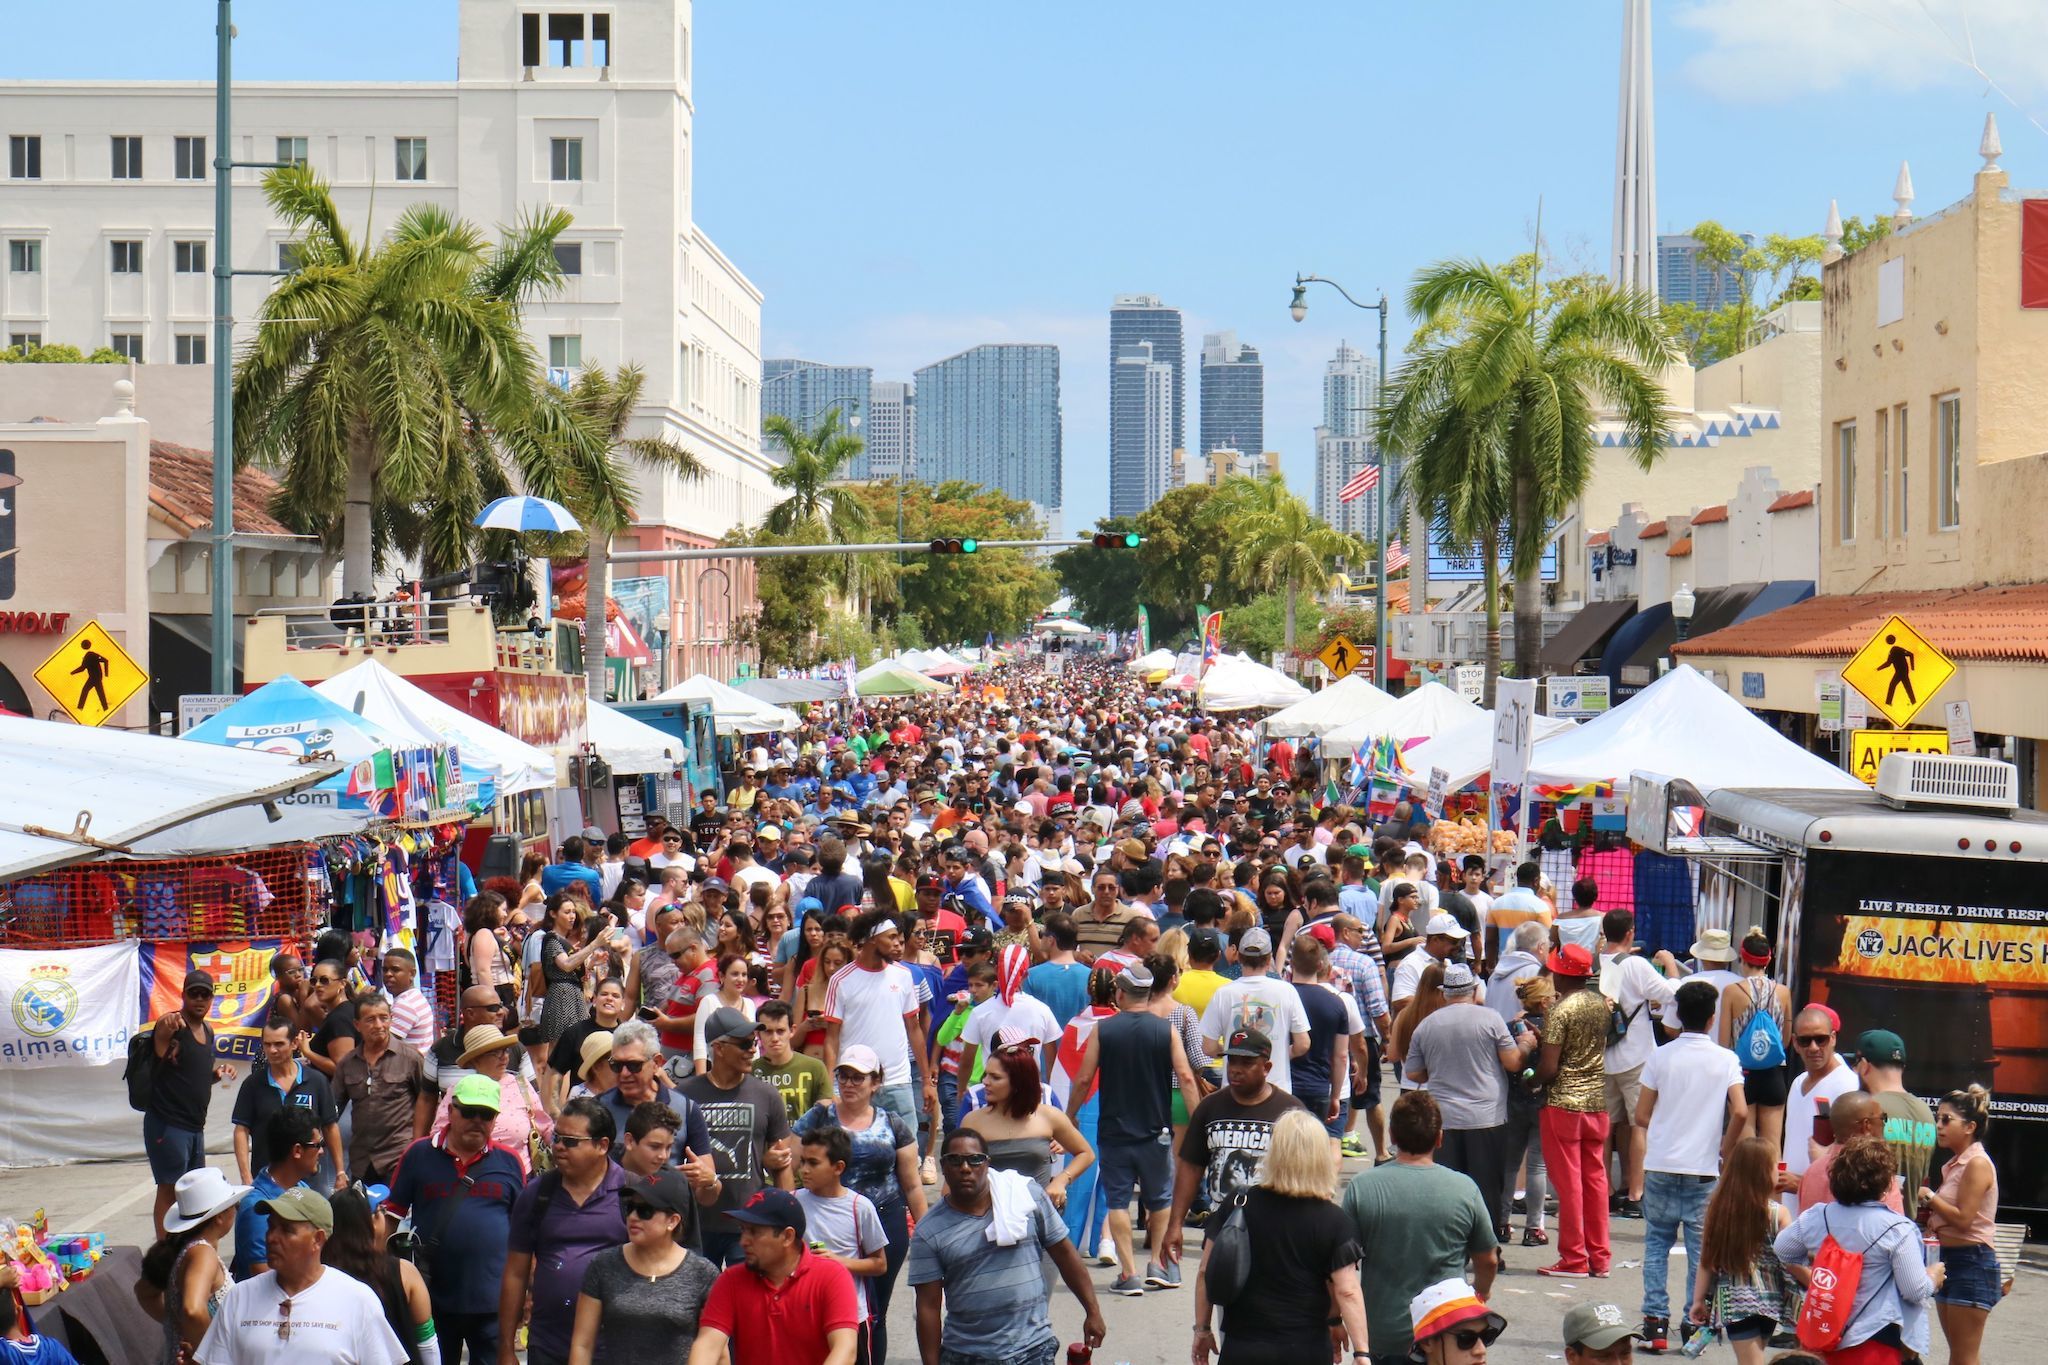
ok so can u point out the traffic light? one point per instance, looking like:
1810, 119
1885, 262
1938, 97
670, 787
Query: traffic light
1118, 540
955, 545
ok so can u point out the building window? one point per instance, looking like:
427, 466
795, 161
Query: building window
565, 353
188, 158
1901, 429
412, 158
129, 344
191, 349
1882, 448
126, 258
529, 40
1845, 482
565, 40
127, 153
25, 157
24, 258
565, 158
188, 258
569, 256
24, 341
291, 150
601, 40
288, 256
1948, 468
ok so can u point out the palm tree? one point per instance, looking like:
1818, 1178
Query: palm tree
603, 404
392, 383
1279, 543
811, 461
1512, 390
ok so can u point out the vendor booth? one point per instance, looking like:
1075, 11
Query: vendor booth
1343, 701
1239, 682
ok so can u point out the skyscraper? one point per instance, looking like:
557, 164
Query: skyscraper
891, 429
1682, 279
1343, 443
1135, 318
804, 390
991, 416
1233, 396
1141, 389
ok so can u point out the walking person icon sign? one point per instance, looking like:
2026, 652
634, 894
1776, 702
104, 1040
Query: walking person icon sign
91, 675
1899, 671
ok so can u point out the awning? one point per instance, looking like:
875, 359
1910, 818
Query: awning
1789, 592
1713, 609
1584, 635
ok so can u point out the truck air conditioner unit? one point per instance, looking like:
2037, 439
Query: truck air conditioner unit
1947, 780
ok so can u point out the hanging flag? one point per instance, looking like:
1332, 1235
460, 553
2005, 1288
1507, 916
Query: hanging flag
1397, 558
1361, 483
1144, 630
1212, 639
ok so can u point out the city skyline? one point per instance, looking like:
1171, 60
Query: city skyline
1233, 395
992, 415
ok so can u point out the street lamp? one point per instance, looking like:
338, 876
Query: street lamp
1682, 604
1297, 308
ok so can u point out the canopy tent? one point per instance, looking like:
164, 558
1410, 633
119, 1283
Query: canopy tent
1430, 710
792, 691
1060, 625
1157, 661
632, 746
913, 659
499, 764
939, 664
1241, 683
890, 678
1466, 751
1348, 699
123, 786
733, 712
1683, 726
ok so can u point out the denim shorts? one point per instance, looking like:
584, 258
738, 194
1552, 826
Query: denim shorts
1147, 1166
1972, 1278
172, 1151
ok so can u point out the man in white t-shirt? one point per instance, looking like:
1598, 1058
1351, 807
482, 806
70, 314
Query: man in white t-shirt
872, 1000
299, 1310
1686, 1087
1643, 995
1443, 941
1823, 1078
1259, 1001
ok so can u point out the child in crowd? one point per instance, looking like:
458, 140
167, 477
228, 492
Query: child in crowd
841, 1224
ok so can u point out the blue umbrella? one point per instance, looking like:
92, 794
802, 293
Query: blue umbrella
526, 514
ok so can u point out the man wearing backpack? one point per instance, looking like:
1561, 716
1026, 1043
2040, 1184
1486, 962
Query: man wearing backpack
560, 1222
173, 1078
1636, 991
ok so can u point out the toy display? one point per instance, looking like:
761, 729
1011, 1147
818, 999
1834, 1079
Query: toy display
49, 1262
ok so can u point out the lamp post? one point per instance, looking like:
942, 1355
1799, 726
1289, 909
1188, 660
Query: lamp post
1297, 308
1682, 604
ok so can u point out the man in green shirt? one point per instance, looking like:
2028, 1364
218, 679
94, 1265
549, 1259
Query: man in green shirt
1419, 1224
1908, 1123
799, 1078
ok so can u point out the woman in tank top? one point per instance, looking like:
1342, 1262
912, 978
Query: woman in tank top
1959, 1216
184, 1281
1020, 1127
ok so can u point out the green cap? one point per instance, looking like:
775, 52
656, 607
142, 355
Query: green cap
1881, 1047
1597, 1326
1360, 850
477, 1092
300, 1205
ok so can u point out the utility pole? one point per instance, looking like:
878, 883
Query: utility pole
222, 562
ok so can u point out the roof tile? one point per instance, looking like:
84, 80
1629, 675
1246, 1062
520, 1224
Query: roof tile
2001, 623
181, 487
1707, 516
1597, 538
1679, 547
1653, 530
1791, 501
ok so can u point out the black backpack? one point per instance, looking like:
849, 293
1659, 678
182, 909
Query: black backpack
140, 1073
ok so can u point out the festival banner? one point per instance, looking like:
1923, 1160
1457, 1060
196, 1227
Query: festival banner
1212, 639
66, 1006
1144, 631
241, 987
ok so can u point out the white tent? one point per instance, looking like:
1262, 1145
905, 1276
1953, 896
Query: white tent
1684, 726
629, 745
489, 755
1150, 663
1430, 710
1348, 699
1466, 753
1242, 683
733, 712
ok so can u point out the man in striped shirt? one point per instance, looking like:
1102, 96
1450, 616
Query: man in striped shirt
412, 1016
1358, 964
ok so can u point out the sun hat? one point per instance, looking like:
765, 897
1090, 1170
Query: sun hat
1713, 945
201, 1195
1446, 1305
481, 1039
597, 1047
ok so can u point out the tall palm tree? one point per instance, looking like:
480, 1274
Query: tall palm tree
812, 460
1278, 542
1513, 387
395, 376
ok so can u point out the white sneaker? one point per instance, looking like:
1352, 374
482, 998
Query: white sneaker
929, 1171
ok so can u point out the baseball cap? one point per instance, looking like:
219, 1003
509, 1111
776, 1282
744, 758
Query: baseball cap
1570, 960
862, 1058
718, 884
1135, 977
1596, 1326
1324, 933
1248, 1042
1458, 979
1881, 1047
1205, 938
771, 833
197, 980
301, 1205
1360, 850
1446, 925
476, 1092
1017, 895
930, 882
771, 1209
1255, 943
1448, 1304
728, 1024
978, 940
665, 1190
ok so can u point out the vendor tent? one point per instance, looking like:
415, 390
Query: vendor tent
499, 764
890, 678
1157, 661
733, 712
1431, 709
632, 746
1242, 683
1466, 752
1683, 726
792, 691
1345, 700
939, 664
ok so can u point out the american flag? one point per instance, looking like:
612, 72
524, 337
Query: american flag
1361, 483
1397, 558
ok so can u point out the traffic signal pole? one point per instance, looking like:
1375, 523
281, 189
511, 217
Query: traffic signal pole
782, 551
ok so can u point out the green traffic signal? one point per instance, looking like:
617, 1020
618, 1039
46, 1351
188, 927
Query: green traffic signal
1111, 540
955, 545
968, 545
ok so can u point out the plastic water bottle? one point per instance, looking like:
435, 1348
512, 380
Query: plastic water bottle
1696, 1344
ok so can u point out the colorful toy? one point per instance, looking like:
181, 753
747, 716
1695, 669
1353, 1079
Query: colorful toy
75, 1253
41, 1279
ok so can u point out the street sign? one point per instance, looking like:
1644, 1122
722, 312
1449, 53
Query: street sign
1867, 748
1340, 656
194, 707
1575, 698
1898, 671
1827, 696
1469, 682
1514, 711
91, 676
1962, 734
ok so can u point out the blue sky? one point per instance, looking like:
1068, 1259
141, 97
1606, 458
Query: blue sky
906, 178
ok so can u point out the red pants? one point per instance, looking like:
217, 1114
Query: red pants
1864, 1353
1575, 1154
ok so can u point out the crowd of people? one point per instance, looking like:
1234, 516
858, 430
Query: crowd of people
952, 984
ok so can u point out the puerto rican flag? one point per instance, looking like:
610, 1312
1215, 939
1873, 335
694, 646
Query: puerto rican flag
1361, 483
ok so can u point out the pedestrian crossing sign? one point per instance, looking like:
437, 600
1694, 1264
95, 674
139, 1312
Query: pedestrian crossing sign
91, 676
1340, 656
1898, 671
1867, 748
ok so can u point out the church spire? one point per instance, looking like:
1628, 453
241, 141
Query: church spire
1635, 158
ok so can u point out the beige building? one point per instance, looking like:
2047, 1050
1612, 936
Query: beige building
1220, 464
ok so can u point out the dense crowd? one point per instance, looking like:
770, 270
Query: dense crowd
941, 989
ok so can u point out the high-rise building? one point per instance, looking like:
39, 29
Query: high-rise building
805, 390
1681, 278
891, 430
1136, 318
1343, 441
1233, 395
991, 416
1141, 389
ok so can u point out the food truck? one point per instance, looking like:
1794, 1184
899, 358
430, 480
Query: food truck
1920, 906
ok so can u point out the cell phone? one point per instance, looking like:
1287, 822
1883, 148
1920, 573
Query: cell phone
647, 1012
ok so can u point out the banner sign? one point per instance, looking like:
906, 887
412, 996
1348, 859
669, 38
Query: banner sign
1144, 630
1212, 639
66, 1006
1576, 698
241, 987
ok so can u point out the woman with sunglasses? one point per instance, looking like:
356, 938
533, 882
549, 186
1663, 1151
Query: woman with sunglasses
1020, 1128
884, 1168
356, 1248
641, 1301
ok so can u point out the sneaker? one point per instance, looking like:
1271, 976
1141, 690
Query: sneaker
929, 1171
1656, 1336
1561, 1271
1535, 1237
1161, 1277
1521, 1204
1352, 1145
1130, 1286
1630, 1208
1196, 1217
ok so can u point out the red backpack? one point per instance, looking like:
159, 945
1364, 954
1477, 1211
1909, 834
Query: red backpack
1831, 1297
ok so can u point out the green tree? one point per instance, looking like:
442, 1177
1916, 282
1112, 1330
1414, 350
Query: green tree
1259, 627
1103, 583
813, 463
1857, 234
1277, 542
59, 353
959, 599
1512, 391
1183, 563
398, 376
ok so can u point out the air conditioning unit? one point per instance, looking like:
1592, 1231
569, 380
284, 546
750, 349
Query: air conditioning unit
1948, 780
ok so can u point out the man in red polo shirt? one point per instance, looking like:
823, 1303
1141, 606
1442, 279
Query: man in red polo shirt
786, 1305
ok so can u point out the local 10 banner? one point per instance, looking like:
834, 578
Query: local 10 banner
242, 987
66, 1006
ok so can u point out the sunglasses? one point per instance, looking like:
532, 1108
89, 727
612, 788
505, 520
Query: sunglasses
470, 1111
968, 1159
630, 1067
1813, 1039
568, 1140
327, 981
284, 1320
743, 1044
1470, 1337
641, 1209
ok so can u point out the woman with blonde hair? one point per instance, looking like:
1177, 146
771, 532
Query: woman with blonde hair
1174, 944
1427, 1000
1303, 1266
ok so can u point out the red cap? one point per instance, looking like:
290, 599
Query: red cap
1571, 960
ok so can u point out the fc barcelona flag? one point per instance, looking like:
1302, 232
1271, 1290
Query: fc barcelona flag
241, 988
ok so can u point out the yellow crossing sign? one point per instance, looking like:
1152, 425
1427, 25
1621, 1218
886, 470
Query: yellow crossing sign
1898, 671
1867, 748
1340, 656
91, 676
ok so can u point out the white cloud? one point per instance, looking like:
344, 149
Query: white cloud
1781, 49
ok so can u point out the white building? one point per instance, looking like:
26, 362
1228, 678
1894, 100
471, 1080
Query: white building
1343, 443
587, 107
891, 433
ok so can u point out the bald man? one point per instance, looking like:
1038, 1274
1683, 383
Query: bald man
1822, 1078
1856, 1114
480, 1005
